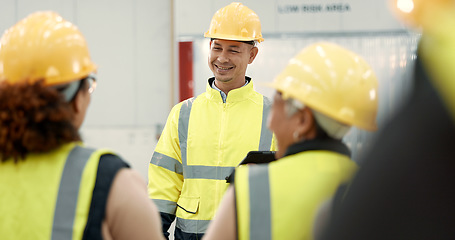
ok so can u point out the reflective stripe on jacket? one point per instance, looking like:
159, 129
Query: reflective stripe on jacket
203, 141
48, 195
280, 200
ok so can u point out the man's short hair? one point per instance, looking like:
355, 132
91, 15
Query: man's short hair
252, 42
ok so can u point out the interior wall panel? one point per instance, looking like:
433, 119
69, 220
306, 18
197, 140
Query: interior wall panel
8, 13
294, 16
65, 8
109, 29
152, 64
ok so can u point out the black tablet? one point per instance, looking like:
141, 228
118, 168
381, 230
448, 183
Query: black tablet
255, 157
258, 157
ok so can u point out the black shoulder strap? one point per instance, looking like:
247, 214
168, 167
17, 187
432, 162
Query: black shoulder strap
107, 169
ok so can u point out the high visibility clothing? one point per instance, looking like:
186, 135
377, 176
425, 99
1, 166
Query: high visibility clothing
48, 195
203, 141
280, 200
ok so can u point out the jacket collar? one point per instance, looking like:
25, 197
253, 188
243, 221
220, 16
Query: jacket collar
235, 95
324, 143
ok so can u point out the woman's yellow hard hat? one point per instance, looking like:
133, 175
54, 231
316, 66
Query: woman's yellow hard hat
44, 46
334, 81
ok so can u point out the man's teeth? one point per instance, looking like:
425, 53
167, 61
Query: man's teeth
224, 68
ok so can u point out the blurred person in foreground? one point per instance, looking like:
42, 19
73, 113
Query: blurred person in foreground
207, 136
323, 91
52, 186
405, 188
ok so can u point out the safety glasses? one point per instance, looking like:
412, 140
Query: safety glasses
70, 90
91, 80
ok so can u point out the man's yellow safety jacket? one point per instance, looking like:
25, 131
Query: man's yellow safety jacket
280, 200
203, 141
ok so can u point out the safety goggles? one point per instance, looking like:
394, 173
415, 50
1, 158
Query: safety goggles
70, 92
91, 80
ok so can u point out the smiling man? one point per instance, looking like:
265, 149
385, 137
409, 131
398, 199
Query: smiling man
206, 137
228, 60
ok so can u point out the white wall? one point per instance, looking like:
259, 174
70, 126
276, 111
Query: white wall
293, 16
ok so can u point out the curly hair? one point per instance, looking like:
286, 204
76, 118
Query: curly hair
33, 119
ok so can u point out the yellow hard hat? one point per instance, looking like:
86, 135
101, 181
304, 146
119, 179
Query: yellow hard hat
334, 81
235, 22
43, 46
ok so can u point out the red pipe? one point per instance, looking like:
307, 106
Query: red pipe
186, 85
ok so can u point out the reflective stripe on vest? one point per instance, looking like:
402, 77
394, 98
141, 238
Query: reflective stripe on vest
184, 119
167, 162
165, 206
260, 212
266, 136
199, 226
65, 209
